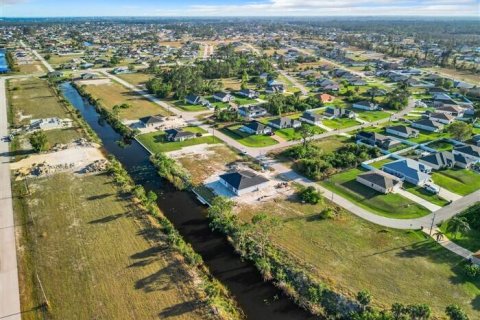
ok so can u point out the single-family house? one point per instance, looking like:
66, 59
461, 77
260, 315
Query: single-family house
242, 182
175, 135
454, 111
377, 139
380, 181
194, 99
152, 121
463, 162
284, 122
223, 97
255, 127
252, 111
334, 113
275, 88
409, 170
438, 160
88, 76
468, 151
327, 84
311, 118
476, 140
402, 131
55, 74
427, 125
325, 97
248, 93
441, 117
365, 105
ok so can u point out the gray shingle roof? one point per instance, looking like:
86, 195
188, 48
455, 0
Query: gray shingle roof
243, 179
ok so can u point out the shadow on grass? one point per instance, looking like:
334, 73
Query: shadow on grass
179, 309
163, 279
99, 197
108, 219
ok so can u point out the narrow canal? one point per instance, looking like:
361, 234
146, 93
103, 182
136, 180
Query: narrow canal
258, 299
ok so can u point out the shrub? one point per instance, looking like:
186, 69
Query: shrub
310, 195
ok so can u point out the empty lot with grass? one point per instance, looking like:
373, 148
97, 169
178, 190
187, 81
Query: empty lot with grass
389, 205
96, 255
136, 78
340, 123
351, 254
115, 94
460, 181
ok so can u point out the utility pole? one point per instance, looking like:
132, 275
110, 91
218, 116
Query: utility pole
433, 221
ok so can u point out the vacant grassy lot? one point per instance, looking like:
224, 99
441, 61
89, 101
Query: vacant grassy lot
96, 255
33, 97
36, 66
254, 140
115, 94
189, 107
202, 166
371, 116
292, 134
155, 141
460, 181
388, 205
350, 254
340, 123
56, 60
137, 78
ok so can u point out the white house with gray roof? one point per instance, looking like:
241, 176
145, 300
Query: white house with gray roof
242, 182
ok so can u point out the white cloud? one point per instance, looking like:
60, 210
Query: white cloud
340, 7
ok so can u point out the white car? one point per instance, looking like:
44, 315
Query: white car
432, 188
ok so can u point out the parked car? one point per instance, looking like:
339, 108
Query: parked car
432, 188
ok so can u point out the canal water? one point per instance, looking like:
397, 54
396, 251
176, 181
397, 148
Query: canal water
258, 299
3, 61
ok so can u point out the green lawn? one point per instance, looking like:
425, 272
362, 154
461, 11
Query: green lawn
292, 134
389, 205
62, 136
96, 254
155, 141
441, 146
372, 116
381, 163
350, 254
189, 107
424, 194
340, 123
254, 140
240, 100
425, 136
460, 181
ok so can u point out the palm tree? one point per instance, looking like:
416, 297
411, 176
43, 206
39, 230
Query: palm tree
458, 225
438, 235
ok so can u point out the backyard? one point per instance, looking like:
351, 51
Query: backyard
91, 248
115, 94
350, 254
389, 205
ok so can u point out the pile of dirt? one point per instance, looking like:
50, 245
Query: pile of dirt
96, 166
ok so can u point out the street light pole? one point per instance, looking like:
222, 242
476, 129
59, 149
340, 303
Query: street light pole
433, 221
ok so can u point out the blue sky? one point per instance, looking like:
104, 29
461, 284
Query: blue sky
52, 8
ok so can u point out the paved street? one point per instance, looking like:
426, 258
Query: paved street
9, 291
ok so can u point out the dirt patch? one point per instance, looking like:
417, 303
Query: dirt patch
94, 82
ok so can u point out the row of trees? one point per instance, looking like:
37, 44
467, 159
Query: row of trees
171, 170
279, 103
317, 165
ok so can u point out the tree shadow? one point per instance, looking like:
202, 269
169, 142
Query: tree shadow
99, 197
179, 309
163, 279
109, 218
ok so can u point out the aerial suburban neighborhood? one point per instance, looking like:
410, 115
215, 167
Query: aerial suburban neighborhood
239, 160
